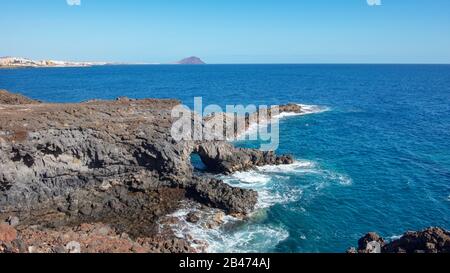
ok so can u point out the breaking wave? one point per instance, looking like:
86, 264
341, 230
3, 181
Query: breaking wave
275, 186
228, 235
279, 185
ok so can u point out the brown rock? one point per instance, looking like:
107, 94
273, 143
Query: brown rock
14, 99
431, 240
7, 233
370, 243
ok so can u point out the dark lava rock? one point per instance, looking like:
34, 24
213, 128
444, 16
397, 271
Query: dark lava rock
110, 161
222, 157
290, 108
431, 240
370, 243
193, 217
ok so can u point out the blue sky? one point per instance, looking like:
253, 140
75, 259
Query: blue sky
228, 31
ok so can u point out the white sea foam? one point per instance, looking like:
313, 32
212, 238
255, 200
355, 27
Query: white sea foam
253, 238
395, 237
267, 198
268, 181
251, 177
340, 178
271, 181
297, 166
232, 236
287, 114
254, 235
314, 109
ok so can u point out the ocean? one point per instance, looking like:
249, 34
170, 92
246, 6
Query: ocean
373, 154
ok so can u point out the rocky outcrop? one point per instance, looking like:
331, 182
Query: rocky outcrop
221, 158
110, 161
14, 99
235, 126
431, 240
370, 243
215, 193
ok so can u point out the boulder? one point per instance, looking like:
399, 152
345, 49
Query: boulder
370, 243
193, 217
430, 240
73, 247
13, 221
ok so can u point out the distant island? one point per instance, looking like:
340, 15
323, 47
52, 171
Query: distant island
191, 60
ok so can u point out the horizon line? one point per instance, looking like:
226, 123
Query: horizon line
231, 63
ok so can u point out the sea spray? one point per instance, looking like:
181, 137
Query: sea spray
254, 233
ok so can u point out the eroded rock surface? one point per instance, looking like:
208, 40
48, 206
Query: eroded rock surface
110, 161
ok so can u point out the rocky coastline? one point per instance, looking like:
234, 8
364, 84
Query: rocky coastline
105, 176
76, 168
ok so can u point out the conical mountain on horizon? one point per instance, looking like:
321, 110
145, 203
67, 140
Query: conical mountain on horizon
191, 60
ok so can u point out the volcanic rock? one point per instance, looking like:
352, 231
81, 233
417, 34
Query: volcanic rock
431, 240
111, 161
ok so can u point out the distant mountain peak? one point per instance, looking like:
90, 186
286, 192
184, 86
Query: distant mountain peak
191, 60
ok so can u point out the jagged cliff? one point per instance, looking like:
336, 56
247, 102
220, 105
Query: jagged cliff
113, 162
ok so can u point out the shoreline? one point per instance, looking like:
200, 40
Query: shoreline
106, 158
207, 222
104, 176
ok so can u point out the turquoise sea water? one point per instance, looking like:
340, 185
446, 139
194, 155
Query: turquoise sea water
377, 160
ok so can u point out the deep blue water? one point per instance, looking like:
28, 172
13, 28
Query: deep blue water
378, 160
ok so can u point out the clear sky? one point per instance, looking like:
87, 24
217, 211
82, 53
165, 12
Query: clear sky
228, 31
